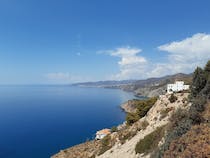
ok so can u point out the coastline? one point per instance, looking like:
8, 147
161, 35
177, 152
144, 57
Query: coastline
124, 107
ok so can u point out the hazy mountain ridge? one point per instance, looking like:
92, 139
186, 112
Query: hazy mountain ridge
104, 83
148, 87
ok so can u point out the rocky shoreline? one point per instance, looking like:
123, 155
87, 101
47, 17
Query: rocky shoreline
128, 106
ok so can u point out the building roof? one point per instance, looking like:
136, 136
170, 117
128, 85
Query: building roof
104, 131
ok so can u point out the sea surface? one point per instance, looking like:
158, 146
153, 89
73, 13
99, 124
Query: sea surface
39, 121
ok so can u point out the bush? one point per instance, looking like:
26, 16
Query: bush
172, 98
150, 142
114, 129
143, 106
195, 143
105, 144
184, 100
199, 81
126, 135
132, 118
164, 112
199, 103
182, 121
145, 124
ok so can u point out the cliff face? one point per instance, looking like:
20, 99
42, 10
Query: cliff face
157, 117
123, 142
129, 106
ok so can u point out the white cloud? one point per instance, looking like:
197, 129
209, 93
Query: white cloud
182, 56
185, 55
131, 65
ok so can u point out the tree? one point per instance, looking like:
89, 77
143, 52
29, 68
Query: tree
199, 81
207, 70
132, 118
172, 98
207, 67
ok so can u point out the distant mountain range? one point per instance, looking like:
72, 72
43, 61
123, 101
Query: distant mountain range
104, 83
147, 87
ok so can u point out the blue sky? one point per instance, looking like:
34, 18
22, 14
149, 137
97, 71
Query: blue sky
50, 41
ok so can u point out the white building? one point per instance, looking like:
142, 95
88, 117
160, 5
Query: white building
177, 87
102, 133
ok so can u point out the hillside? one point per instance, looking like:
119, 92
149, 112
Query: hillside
170, 126
122, 143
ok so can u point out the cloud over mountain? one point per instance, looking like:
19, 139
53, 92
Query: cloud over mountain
182, 56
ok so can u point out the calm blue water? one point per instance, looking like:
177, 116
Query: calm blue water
38, 121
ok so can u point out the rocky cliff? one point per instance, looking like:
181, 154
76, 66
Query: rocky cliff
175, 125
123, 142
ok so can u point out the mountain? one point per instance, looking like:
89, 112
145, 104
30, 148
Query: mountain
148, 87
104, 83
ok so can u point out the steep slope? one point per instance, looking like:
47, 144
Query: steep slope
158, 116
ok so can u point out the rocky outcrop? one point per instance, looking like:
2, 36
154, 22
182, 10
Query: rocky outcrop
129, 106
84, 150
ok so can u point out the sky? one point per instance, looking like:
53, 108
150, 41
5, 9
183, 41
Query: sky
68, 41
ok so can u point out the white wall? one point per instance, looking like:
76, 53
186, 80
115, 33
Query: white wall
178, 86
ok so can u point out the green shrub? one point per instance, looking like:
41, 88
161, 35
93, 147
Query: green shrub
164, 112
105, 144
199, 81
172, 98
143, 106
114, 129
132, 118
126, 135
145, 124
150, 142
182, 121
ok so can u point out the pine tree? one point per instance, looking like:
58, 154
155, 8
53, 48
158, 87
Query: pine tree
199, 81
207, 70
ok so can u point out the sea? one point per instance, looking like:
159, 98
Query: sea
37, 121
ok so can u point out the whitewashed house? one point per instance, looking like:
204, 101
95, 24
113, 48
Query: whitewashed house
177, 87
102, 133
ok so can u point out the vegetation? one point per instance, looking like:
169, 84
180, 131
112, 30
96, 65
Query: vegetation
172, 98
164, 112
105, 144
145, 124
195, 143
185, 125
132, 118
143, 106
114, 129
150, 142
126, 135
199, 81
